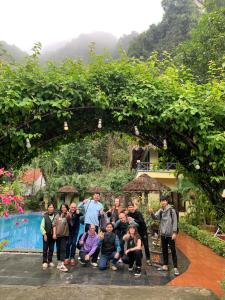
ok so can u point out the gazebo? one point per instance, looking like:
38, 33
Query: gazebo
97, 189
68, 193
144, 184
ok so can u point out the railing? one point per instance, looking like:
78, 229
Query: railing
150, 167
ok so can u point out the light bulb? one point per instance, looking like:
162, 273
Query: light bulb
136, 130
99, 123
164, 144
28, 145
66, 126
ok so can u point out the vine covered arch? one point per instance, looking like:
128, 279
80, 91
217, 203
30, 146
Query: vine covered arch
163, 101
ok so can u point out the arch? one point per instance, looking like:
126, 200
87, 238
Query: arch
157, 97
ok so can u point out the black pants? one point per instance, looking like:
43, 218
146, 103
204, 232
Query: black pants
144, 238
61, 247
94, 256
167, 240
48, 249
133, 256
87, 228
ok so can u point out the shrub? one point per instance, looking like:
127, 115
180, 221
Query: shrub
204, 237
32, 204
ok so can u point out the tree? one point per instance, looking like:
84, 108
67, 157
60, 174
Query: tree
163, 101
179, 18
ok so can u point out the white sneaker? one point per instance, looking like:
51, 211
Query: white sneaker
130, 269
63, 268
114, 268
120, 261
94, 264
59, 265
44, 266
51, 264
176, 272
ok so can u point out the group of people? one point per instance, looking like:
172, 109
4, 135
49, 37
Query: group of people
120, 240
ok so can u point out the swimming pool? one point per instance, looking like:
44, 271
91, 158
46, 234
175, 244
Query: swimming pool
22, 231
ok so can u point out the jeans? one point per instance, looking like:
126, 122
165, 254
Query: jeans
122, 243
167, 240
94, 256
48, 249
144, 239
71, 245
61, 247
105, 258
133, 256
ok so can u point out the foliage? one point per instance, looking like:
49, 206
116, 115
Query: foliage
204, 52
162, 100
206, 238
2, 244
32, 203
178, 20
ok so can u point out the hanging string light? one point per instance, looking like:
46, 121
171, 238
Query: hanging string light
99, 123
66, 126
164, 144
136, 130
28, 144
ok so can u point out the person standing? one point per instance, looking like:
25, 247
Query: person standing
92, 211
88, 245
142, 228
61, 233
74, 225
113, 213
110, 248
133, 253
47, 233
168, 231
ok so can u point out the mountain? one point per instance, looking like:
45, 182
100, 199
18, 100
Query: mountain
10, 53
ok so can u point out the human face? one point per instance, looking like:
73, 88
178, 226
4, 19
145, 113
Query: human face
122, 218
131, 209
109, 228
117, 202
92, 229
96, 197
73, 207
164, 203
63, 209
132, 230
51, 209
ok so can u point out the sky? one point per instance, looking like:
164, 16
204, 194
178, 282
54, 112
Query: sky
24, 22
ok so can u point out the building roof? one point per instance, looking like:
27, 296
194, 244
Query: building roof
144, 183
97, 189
68, 189
31, 175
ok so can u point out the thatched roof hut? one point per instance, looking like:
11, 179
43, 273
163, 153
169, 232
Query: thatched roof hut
144, 183
97, 189
68, 189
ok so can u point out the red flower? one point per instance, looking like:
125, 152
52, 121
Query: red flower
8, 174
6, 214
20, 209
2, 171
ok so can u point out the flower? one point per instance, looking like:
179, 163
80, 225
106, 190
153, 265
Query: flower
20, 209
17, 223
8, 174
6, 214
2, 171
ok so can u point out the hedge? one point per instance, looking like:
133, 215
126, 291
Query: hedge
204, 237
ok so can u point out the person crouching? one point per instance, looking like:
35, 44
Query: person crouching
133, 254
89, 247
110, 248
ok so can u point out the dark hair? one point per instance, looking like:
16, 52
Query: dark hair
63, 204
109, 223
164, 198
51, 204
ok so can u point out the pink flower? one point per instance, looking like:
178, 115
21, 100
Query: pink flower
17, 223
2, 171
20, 209
8, 174
25, 220
6, 214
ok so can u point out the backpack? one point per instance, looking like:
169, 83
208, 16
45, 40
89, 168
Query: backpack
171, 215
85, 238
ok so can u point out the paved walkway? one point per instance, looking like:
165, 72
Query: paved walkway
206, 268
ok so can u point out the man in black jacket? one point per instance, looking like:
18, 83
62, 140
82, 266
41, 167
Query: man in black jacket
142, 228
74, 224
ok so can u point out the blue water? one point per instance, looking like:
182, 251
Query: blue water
23, 231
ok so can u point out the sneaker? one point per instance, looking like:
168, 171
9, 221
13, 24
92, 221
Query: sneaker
44, 266
114, 268
66, 261
51, 264
59, 265
176, 272
120, 261
148, 262
63, 268
81, 262
72, 262
94, 264
137, 272
130, 269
